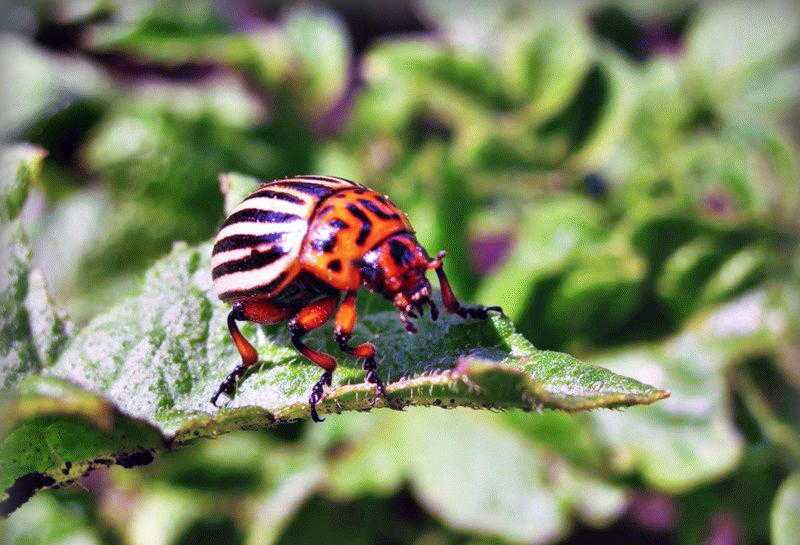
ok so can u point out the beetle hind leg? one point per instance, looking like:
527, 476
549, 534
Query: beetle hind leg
253, 311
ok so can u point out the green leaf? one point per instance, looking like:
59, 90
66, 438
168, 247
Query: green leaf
600, 293
586, 130
53, 432
32, 331
786, 512
741, 55
685, 272
740, 271
322, 52
39, 83
550, 234
531, 496
546, 67
19, 166
157, 357
691, 439
48, 520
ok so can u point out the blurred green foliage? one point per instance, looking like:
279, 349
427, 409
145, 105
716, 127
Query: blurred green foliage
646, 205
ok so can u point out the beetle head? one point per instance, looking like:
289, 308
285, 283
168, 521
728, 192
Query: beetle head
397, 270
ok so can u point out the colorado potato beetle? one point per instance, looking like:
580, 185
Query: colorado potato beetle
294, 246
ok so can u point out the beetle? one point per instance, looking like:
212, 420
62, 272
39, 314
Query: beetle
296, 246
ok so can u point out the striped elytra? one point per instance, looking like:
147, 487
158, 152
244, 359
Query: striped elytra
313, 225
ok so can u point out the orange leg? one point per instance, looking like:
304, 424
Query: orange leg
449, 298
253, 311
345, 324
308, 318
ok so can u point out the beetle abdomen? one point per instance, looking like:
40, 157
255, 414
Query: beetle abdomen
256, 250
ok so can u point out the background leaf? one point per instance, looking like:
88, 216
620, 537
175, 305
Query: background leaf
785, 518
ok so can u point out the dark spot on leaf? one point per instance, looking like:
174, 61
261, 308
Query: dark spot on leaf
22, 490
138, 458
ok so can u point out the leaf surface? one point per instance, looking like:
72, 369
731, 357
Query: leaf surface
138, 378
786, 512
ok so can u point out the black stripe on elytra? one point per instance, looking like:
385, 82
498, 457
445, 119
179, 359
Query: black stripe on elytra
232, 295
336, 179
400, 252
236, 242
255, 260
259, 215
377, 210
366, 224
317, 190
276, 195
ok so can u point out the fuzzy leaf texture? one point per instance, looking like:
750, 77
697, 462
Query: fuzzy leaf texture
138, 379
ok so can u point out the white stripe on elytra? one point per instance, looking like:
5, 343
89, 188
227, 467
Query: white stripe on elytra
275, 205
257, 228
230, 255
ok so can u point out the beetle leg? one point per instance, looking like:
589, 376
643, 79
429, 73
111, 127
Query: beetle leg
449, 298
254, 311
308, 318
345, 324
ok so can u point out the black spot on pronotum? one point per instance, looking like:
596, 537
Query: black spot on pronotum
400, 252
325, 243
366, 224
22, 490
259, 215
335, 265
67, 467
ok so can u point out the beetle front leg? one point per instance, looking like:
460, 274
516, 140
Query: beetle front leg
345, 325
449, 298
252, 311
307, 319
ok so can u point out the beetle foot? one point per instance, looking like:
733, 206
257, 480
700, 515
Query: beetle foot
478, 312
317, 393
371, 367
228, 386
405, 319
